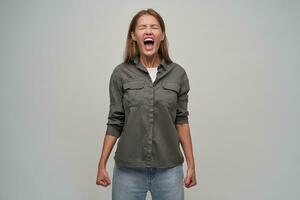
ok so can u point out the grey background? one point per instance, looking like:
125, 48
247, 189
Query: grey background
242, 58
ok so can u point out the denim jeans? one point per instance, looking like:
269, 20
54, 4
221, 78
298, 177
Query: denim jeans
133, 183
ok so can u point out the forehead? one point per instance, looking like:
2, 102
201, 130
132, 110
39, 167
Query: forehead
147, 19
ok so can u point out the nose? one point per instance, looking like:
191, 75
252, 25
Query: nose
148, 30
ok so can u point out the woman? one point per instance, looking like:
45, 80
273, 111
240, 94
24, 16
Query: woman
148, 113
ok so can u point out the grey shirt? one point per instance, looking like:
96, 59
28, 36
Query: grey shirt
143, 114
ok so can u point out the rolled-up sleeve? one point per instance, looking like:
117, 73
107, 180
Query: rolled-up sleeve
116, 114
182, 112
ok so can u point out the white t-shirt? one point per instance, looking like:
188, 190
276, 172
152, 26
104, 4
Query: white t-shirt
152, 71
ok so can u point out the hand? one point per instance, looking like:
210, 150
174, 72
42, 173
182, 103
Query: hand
190, 179
103, 178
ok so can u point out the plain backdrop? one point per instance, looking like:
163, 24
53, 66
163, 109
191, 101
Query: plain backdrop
242, 59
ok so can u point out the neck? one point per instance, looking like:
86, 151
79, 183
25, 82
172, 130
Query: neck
152, 61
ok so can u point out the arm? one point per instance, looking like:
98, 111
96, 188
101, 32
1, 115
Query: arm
114, 129
186, 143
183, 130
102, 175
108, 144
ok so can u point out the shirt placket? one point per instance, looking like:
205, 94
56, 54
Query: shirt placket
150, 97
150, 108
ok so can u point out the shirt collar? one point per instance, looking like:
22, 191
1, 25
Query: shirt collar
162, 63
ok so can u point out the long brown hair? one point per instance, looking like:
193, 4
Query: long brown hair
131, 50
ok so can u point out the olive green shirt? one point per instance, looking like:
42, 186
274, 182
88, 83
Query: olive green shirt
143, 114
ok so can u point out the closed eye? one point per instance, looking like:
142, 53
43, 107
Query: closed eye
142, 27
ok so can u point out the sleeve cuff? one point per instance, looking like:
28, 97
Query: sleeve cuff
112, 130
182, 120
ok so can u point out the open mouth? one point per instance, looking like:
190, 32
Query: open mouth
148, 42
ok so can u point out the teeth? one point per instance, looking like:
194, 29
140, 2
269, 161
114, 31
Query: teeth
148, 39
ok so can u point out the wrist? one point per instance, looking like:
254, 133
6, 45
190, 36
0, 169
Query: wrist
190, 165
102, 166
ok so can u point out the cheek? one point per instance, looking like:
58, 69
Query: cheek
140, 44
158, 34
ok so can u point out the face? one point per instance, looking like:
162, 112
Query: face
148, 35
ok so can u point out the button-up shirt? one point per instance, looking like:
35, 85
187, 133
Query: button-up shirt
143, 114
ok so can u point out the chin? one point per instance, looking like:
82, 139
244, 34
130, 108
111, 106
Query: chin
150, 53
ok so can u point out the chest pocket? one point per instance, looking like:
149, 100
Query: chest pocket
133, 92
170, 93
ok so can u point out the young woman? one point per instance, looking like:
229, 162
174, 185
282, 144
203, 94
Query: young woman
148, 113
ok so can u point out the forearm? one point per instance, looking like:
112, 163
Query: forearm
108, 144
186, 143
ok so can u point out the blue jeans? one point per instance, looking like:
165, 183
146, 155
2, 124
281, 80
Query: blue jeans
133, 183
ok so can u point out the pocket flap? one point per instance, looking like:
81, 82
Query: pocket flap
171, 86
133, 85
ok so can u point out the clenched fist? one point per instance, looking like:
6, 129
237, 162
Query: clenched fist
103, 178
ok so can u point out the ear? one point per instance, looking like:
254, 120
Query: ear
132, 36
163, 37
